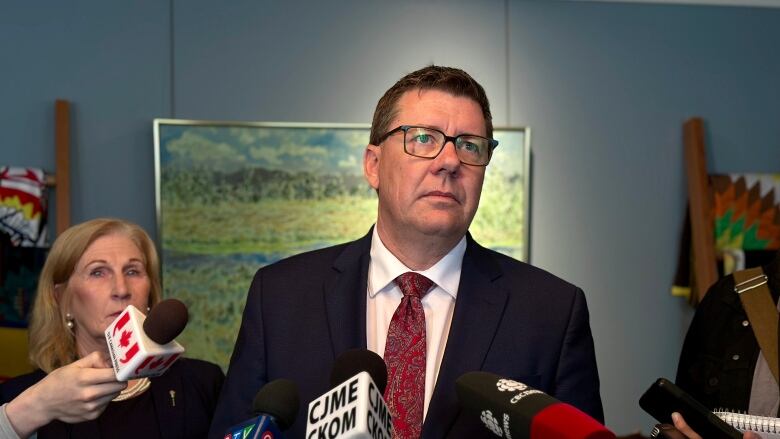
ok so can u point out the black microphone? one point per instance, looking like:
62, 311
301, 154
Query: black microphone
166, 320
354, 361
354, 408
664, 397
275, 407
512, 409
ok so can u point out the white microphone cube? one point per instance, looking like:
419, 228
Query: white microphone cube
355, 409
133, 354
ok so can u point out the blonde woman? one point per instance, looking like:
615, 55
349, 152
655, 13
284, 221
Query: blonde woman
93, 271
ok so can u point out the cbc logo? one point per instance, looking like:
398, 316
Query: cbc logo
505, 385
491, 422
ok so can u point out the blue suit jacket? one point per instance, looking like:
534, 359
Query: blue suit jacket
510, 318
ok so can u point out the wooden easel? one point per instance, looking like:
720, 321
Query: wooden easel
61, 178
704, 266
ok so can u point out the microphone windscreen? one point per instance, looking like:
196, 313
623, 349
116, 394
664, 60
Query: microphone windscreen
567, 422
279, 398
165, 321
354, 361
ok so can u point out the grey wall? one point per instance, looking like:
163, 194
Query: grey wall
112, 61
604, 87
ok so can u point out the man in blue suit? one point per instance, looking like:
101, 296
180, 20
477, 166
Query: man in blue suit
430, 145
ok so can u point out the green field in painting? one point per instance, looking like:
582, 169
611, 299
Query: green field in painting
212, 254
271, 227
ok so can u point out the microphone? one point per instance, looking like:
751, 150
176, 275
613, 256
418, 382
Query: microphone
275, 408
354, 407
514, 410
144, 346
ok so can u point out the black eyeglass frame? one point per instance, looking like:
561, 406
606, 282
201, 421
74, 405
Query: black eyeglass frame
492, 143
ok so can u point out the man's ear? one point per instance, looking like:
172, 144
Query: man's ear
371, 159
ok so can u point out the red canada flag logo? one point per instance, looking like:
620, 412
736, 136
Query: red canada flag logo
124, 340
171, 359
157, 362
122, 322
143, 364
130, 354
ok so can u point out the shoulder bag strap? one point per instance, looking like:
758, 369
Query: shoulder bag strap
753, 291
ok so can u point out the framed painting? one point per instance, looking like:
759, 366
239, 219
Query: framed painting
233, 196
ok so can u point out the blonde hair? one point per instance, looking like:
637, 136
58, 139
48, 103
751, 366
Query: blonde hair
52, 344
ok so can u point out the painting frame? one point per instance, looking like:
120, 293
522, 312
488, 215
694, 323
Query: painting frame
251, 171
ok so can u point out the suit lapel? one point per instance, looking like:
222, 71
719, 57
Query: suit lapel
478, 311
345, 296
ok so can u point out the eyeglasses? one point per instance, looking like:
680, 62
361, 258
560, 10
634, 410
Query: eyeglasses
427, 143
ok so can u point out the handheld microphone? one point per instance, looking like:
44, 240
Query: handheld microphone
144, 346
664, 397
515, 410
275, 407
354, 408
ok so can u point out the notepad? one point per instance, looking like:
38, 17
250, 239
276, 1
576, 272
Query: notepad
767, 427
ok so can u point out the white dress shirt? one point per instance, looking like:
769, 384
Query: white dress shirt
384, 296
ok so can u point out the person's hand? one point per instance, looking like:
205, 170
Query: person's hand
74, 393
680, 424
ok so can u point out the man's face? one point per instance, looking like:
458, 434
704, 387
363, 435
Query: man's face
433, 197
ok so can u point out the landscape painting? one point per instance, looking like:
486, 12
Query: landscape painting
233, 197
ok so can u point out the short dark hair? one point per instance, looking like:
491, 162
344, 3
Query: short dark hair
447, 79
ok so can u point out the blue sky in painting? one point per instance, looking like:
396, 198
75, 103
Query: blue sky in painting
229, 148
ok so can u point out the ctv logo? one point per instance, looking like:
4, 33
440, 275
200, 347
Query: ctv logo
247, 432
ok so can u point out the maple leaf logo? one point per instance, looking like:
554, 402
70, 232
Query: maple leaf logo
124, 340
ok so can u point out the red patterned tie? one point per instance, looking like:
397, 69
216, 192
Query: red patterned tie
405, 358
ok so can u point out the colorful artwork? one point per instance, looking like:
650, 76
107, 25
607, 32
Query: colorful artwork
22, 241
747, 211
23, 206
234, 197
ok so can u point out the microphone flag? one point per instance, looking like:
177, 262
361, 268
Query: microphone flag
354, 409
133, 354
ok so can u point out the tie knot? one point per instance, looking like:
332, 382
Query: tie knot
413, 284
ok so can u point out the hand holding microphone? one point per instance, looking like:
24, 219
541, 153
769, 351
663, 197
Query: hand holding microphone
512, 409
77, 392
683, 430
144, 346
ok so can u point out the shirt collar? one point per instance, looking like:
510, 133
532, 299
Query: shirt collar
385, 267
